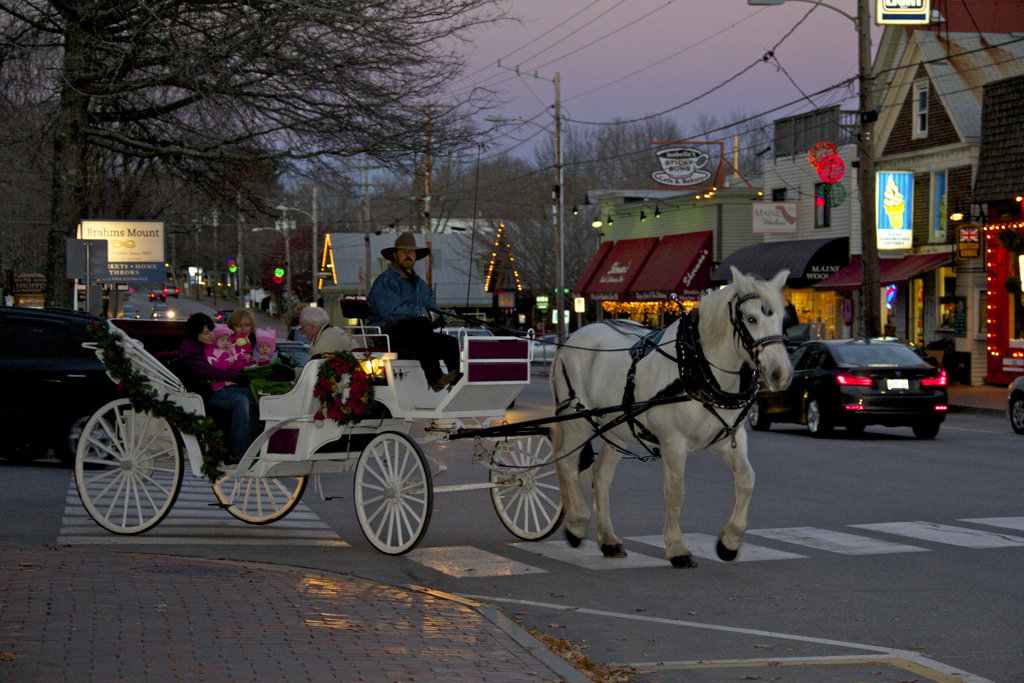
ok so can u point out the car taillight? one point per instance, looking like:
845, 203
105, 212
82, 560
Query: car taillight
941, 407
939, 381
851, 381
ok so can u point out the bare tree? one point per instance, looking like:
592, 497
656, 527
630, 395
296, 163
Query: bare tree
201, 86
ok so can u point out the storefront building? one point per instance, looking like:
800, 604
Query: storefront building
999, 190
928, 139
660, 243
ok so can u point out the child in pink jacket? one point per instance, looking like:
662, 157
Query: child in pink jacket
223, 355
266, 346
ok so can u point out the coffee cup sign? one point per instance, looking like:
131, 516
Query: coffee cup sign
681, 166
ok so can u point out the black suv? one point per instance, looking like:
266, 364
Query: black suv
51, 385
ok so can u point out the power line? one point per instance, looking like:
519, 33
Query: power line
767, 55
662, 61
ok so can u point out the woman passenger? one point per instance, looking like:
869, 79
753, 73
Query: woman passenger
235, 397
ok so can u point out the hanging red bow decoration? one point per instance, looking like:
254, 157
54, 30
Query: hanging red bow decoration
831, 168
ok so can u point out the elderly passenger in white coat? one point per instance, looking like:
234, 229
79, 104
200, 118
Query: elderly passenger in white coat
324, 338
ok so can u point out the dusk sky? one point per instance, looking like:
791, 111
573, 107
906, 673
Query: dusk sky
655, 47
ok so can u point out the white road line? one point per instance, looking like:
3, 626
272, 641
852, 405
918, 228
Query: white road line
834, 541
891, 652
193, 519
588, 556
949, 535
148, 539
1004, 522
980, 431
703, 545
463, 561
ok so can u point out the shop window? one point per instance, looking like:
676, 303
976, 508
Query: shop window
822, 211
981, 313
939, 213
947, 298
1016, 313
779, 194
921, 110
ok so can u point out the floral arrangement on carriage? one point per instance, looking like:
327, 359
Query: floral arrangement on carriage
344, 390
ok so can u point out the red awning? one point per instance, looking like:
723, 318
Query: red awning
615, 275
890, 270
595, 263
681, 264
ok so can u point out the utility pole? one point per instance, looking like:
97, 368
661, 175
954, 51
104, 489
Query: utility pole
871, 287
560, 296
240, 261
427, 164
315, 250
215, 271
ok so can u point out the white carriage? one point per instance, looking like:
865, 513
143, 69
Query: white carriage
129, 465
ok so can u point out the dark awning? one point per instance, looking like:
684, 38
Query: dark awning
591, 269
808, 261
616, 273
680, 264
890, 270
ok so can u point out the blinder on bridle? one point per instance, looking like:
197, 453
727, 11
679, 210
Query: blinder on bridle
752, 346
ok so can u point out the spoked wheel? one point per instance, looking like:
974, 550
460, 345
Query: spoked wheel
759, 421
260, 500
394, 493
128, 468
1017, 413
528, 503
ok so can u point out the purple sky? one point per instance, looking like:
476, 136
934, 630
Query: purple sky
821, 52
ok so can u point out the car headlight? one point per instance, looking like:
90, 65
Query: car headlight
170, 314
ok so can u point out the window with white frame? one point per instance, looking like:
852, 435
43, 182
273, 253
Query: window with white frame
921, 109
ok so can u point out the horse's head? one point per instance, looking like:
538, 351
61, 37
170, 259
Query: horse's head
757, 311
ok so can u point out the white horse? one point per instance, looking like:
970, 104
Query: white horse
738, 325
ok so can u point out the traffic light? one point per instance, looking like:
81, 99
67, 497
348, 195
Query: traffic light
278, 275
232, 267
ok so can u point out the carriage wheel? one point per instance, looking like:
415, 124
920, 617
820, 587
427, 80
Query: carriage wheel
529, 503
394, 493
260, 500
128, 468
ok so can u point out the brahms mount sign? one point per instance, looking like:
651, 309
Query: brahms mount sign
135, 249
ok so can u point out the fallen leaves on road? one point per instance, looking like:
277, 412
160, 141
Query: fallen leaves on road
8, 656
916, 647
598, 673
750, 678
763, 647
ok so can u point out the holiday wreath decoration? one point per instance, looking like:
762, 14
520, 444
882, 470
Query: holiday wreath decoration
819, 151
344, 390
145, 398
831, 169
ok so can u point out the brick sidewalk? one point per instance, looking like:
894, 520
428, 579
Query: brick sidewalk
68, 615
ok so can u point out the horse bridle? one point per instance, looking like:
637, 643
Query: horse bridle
752, 346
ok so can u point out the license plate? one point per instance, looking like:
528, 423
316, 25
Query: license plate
897, 383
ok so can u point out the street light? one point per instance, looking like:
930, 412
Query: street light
558, 209
866, 176
316, 262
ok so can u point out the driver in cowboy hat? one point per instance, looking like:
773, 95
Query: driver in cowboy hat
400, 304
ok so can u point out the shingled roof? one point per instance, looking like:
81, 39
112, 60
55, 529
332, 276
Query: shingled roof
1001, 165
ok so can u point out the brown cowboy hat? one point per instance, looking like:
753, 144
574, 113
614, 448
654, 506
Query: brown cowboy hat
405, 241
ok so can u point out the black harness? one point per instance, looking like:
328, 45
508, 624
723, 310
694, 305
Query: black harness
695, 380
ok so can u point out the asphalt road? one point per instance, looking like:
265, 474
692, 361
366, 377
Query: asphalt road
922, 595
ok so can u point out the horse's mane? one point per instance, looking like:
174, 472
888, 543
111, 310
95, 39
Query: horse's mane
714, 308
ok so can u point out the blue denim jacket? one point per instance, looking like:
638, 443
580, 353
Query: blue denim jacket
393, 298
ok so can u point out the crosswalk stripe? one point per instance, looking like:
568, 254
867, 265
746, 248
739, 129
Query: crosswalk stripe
703, 545
462, 561
1004, 522
196, 518
588, 555
942, 533
834, 541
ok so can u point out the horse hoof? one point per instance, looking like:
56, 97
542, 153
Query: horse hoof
724, 554
684, 562
573, 539
610, 550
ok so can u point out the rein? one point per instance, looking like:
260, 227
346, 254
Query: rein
695, 380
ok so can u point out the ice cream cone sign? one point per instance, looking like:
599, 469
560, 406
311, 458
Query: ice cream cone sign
894, 204
894, 201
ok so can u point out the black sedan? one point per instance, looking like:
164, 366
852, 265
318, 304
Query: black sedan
52, 385
856, 382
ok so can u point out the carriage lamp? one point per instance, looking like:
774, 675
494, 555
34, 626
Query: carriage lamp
373, 367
